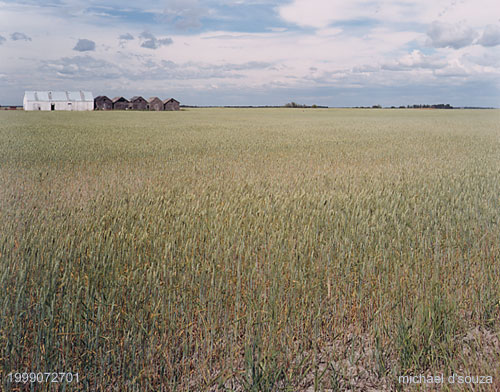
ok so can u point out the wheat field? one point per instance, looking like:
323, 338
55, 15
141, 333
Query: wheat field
250, 249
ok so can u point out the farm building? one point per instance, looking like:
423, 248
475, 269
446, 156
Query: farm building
120, 103
138, 103
103, 103
171, 104
58, 100
155, 103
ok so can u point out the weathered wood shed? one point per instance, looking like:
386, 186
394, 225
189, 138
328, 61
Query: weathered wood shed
155, 103
138, 103
120, 103
171, 104
103, 103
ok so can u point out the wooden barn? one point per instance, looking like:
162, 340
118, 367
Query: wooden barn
103, 103
171, 104
120, 103
155, 103
138, 103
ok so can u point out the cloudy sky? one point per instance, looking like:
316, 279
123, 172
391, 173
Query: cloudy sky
256, 52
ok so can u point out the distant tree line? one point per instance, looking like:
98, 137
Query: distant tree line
297, 105
436, 106
420, 106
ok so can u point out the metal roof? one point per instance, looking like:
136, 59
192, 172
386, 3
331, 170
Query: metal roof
52, 96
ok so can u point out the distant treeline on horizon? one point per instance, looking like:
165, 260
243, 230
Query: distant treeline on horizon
300, 106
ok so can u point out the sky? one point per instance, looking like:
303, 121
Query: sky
255, 52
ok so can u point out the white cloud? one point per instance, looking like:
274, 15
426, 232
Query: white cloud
318, 14
328, 32
19, 37
151, 42
184, 14
277, 29
126, 37
445, 35
491, 36
329, 53
489, 60
82, 68
413, 60
322, 13
453, 69
84, 45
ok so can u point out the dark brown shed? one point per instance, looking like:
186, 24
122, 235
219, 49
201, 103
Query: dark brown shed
171, 104
138, 103
155, 103
120, 103
103, 103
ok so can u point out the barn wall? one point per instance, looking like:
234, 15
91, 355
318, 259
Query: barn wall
65, 106
172, 105
120, 105
103, 104
83, 106
139, 105
156, 105
37, 105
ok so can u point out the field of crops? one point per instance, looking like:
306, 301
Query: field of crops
250, 249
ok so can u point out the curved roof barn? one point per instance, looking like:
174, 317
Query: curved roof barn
58, 100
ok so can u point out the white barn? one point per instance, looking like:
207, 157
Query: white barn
58, 100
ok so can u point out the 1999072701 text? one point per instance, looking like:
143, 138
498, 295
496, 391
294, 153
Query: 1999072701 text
42, 377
